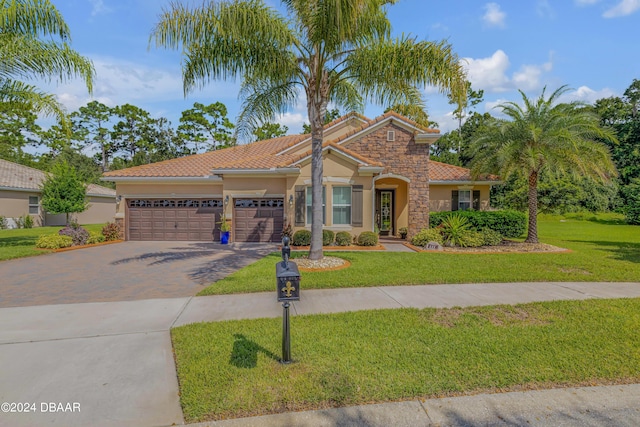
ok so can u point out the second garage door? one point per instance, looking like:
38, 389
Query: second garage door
174, 219
258, 220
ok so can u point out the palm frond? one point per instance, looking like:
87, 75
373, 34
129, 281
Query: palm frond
27, 57
386, 68
15, 92
32, 18
263, 101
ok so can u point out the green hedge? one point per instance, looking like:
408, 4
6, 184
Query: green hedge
508, 223
328, 237
301, 238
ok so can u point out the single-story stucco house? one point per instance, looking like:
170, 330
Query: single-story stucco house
20, 195
376, 173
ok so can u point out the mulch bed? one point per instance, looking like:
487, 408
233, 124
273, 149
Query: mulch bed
507, 246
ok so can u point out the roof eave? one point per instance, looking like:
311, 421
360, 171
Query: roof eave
290, 171
467, 182
203, 179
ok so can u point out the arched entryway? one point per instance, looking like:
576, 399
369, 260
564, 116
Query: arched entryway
391, 204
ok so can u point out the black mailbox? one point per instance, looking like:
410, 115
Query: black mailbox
288, 281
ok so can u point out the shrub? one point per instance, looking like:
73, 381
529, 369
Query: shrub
95, 237
328, 237
287, 231
454, 228
111, 231
78, 234
343, 238
54, 241
4, 224
471, 239
427, 235
19, 221
403, 231
368, 238
632, 208
27, 221
491, 237
508, 223
301, 238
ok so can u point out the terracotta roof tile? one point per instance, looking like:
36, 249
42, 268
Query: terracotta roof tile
269, 154
14, 175
444, 172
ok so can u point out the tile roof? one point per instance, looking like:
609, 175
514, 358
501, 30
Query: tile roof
444, 172
269, 154
14, 175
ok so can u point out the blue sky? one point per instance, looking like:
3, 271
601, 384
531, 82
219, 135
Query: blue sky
590, 45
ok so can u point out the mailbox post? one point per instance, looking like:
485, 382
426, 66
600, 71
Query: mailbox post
288, 289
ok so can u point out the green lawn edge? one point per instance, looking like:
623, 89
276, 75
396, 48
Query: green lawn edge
231, 369
21, 243
602, 249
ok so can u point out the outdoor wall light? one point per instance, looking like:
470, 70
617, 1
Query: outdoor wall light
226, 200
290, 200
118, 198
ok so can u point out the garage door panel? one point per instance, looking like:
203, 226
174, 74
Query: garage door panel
178, 219
258, 220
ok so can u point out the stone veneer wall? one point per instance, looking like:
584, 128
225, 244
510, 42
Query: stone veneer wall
402, 157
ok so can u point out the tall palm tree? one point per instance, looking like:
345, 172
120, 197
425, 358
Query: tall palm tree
543, 135
327, 50
24, 55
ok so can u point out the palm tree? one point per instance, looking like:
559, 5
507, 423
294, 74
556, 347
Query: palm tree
327, 50
543, 135
23, 55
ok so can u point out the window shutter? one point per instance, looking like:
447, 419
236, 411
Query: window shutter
300, 206
476, 200
356, 205
454, 200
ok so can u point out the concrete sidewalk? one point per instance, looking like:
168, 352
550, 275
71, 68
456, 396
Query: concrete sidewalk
115, 358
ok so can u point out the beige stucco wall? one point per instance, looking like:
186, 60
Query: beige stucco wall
14, 204
339, 172
161, 189
440, 197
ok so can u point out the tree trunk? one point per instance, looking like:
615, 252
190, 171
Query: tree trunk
532, 233
317, 100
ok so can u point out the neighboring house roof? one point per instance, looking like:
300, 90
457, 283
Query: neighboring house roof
277, 153
19, 177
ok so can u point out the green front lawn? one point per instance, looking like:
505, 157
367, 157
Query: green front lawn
231, 369
602, 249
18, 243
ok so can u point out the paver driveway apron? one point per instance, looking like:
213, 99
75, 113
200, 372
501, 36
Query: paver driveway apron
122, 272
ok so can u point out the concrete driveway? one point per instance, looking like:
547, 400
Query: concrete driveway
122, 272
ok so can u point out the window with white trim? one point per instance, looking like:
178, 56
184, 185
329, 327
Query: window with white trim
341, 205
324, 203
464, 200
34, 205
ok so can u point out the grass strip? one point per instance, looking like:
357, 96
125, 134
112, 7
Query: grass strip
602, 250
19, 243
231, 369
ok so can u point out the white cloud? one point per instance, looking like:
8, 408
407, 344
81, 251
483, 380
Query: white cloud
494, 16
491, 73
624, 8
544, 9
120, 82
528, 77
293, 121
98, 7
586, 94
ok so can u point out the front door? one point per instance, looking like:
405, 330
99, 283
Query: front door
385, 212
